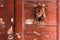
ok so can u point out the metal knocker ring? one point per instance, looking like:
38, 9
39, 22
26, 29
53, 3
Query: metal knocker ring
10, 37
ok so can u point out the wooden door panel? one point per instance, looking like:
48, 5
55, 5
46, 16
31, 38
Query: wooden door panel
18, 20
41, 33
50, 12
10, 20
47, 27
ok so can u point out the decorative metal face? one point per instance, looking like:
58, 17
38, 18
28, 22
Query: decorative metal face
39, 14
39, 10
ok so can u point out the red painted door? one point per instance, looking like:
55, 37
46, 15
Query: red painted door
19, 20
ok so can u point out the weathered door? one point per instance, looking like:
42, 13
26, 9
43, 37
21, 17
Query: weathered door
18, 20
36, 30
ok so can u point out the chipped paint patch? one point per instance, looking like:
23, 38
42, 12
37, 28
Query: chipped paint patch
18, 35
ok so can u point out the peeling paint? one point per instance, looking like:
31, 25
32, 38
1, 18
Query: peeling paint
18, 35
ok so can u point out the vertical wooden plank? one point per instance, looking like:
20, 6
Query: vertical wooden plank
3, 11
32, 30
18, 20
9, 15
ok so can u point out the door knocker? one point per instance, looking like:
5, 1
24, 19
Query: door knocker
39, 11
